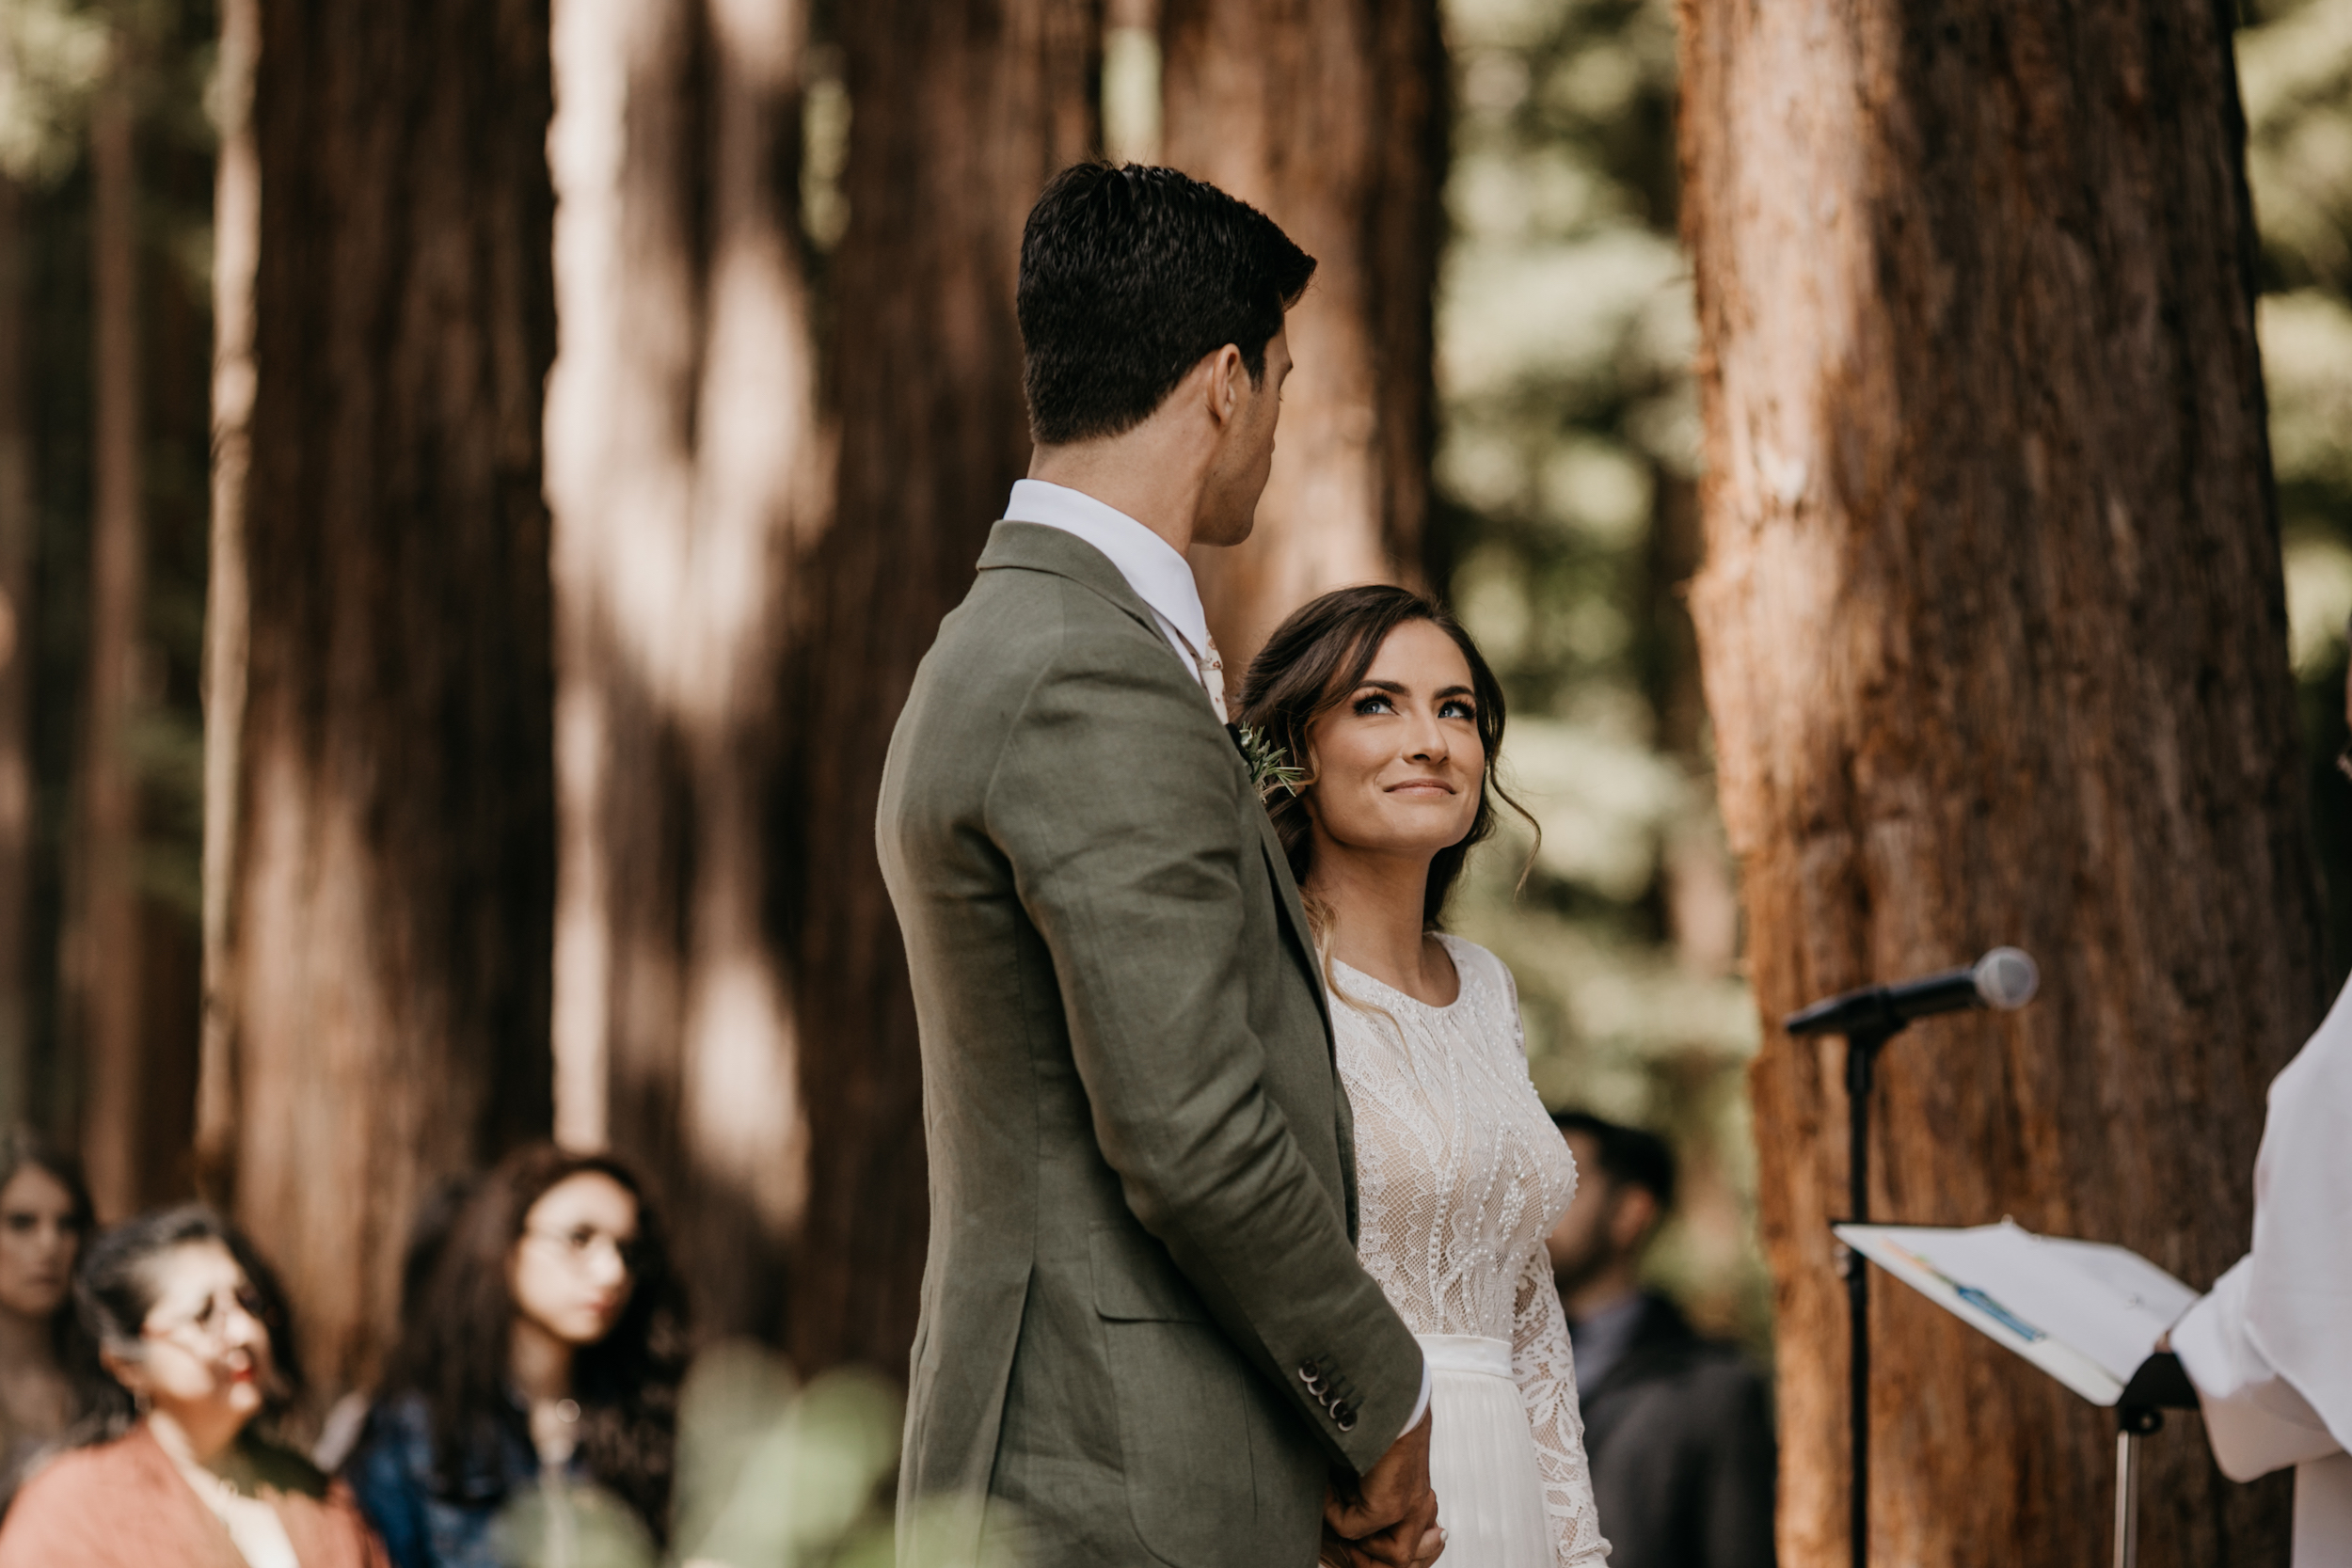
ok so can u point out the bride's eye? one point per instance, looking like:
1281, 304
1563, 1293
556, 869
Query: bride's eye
1376, 702
1459, 707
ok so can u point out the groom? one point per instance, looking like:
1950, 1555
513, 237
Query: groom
1145, 1337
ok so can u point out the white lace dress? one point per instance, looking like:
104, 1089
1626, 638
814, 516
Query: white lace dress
1460, 1176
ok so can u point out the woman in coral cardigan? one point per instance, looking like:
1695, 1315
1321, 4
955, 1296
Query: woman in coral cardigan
195, 1345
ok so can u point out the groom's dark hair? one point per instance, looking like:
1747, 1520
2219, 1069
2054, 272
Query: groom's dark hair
1132, 276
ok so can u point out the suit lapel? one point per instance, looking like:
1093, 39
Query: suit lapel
1294, 913
1286, 895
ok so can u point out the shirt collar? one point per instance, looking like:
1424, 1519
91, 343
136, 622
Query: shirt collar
1602, 1339
1160, 576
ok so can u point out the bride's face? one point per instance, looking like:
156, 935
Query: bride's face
1398, 765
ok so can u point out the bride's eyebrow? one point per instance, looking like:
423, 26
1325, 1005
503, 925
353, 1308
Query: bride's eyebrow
1397, 689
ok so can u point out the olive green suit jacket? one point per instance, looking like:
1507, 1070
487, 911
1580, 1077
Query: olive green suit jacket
1145, 1337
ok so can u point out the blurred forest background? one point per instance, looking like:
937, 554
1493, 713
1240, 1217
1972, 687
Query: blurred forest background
1558, 419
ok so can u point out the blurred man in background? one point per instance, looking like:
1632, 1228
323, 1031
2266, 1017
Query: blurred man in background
1678, 1429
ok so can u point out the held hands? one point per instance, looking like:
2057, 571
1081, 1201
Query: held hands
1389, 1517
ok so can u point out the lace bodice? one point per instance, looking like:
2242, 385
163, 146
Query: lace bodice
1460, 1176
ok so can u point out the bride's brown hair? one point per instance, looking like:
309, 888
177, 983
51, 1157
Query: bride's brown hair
1311, 664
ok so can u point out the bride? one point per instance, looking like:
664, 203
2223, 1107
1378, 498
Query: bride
1392, 720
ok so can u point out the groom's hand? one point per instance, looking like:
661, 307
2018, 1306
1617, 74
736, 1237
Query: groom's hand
1361, 1553
1388, 1515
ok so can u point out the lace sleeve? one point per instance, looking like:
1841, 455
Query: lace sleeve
1541, 1363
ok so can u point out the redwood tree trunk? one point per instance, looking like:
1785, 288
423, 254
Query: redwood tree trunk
684, 469
103, 969
963, 109
381, 696
1993, 631
1330, 116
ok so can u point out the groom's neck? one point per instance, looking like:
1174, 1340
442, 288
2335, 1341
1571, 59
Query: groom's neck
1153, 473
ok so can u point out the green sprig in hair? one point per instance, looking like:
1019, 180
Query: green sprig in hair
1270, 765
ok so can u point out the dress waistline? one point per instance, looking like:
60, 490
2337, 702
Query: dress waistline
1467, 1353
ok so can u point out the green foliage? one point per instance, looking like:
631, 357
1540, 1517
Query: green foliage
1270, 765
2294, 69
1566, 466
774, 1476
52, 53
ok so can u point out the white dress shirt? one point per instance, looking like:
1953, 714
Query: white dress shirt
1163, 580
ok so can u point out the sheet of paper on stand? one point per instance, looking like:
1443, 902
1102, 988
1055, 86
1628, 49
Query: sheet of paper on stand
2084, 1312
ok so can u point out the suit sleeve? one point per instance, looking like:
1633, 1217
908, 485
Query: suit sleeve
1116, 801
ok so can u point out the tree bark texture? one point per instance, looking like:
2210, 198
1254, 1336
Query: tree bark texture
18, 526
236, 257
962, 110
685, 473
379, 972
1329, 117
102, 971
1992, 632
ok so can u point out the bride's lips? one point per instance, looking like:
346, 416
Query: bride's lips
1422, 787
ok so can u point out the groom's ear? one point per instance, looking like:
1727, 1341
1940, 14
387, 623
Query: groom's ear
1227, 380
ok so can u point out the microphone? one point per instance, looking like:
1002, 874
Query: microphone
2004, 979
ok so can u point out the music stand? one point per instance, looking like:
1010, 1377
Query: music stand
2082, 1312
2160, 1385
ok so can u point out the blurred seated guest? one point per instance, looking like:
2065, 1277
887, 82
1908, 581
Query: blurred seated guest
1678, 1429
533, 1396
339, 1435
176, 1468
45, 1373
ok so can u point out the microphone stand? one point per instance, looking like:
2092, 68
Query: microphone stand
1861, 1049
2004, 978
1861, 1057
1864, 1037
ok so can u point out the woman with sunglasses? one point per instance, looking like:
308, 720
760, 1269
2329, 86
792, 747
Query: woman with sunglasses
179, 1464
532, 1404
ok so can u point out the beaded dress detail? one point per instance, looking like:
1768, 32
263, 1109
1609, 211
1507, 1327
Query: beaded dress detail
1460, 1176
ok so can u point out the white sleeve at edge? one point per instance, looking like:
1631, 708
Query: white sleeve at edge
2254, 1418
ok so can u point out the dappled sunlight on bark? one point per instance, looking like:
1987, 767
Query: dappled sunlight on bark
1329, 117
683, 449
